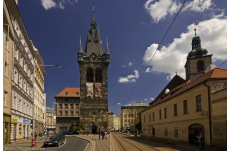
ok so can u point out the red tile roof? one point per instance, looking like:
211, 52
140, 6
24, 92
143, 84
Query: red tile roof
213, 74
71, 92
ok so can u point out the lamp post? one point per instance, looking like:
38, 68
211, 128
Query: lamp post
134, 116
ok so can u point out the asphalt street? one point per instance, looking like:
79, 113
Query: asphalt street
72, 144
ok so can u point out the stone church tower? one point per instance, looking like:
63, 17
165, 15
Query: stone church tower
93, 67
197, 60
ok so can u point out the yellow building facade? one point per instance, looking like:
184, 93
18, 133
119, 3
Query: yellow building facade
193, 107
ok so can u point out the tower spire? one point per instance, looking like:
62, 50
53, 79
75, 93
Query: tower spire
195, 29
80, 46
93, 21
107, 49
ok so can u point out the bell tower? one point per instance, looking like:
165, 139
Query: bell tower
197, 59
93, 67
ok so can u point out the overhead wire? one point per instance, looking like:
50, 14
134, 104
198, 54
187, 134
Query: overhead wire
156, 50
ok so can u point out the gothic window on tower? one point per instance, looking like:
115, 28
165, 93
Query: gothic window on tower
89, 75
200, 65
98, 75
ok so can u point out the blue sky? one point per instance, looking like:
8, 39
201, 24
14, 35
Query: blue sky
134, 29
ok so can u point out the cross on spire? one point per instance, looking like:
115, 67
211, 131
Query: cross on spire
195, 29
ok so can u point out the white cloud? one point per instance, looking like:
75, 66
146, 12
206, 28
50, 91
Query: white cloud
119, 103
129, 78
123, 66
218, 16
172, 58
145, 99
47, 4
148, 70
130, 64
198, 5
152, 99
159, 10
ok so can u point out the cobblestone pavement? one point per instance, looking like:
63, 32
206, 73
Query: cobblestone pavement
97, 144
24, 144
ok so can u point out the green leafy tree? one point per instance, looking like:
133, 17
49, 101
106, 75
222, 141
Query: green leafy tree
76, 129
105, 125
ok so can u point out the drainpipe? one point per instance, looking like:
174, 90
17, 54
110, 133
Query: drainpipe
209, 103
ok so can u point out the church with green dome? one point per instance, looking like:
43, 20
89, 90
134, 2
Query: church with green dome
197, 60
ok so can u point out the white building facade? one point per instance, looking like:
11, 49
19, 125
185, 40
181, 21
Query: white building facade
39, 95
116, 122
22, 83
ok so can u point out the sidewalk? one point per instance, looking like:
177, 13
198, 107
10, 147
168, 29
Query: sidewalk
96, 144
185, 145
23, 144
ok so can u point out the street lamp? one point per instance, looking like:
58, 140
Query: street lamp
134, 116
59, 66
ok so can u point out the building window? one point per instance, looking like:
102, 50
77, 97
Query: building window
77, 106
125, 116
200, 65
71, 106
98, 75
60, 113
66, 113
77, 113
5, 98
71, 113
185, 106
60, 106
165, 112
198, 103
165, 132
66, 93
77, 93
176, 132
153, 116
159, 114
89, 75
125, 120
175, 109
66, 106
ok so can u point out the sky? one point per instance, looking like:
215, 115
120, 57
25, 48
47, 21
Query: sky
134, 30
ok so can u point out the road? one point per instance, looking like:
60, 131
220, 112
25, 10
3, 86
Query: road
126, 143
72, 144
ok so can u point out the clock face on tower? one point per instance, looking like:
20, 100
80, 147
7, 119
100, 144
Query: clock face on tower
93, 58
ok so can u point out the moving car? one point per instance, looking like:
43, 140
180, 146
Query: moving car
55, 140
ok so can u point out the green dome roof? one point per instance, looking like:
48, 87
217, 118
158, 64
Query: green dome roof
197, 53
196, 38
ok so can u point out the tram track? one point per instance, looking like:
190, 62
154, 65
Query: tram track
126, 145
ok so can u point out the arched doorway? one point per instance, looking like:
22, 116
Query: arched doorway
195, 129
94, 129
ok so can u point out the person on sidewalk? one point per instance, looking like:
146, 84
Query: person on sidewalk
35, 135
31, 134
201, 141
40, 135
105, 135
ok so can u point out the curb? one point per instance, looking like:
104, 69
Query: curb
91, 143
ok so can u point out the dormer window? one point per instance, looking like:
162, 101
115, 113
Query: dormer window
77, 93
66, 93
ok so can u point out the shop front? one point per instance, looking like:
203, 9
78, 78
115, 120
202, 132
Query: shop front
14, 129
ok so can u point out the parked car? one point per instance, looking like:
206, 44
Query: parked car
55, 140
67, 133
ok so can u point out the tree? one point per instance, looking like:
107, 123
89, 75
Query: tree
76, 129
105, 125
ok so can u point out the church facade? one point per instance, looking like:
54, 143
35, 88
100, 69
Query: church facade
93, 67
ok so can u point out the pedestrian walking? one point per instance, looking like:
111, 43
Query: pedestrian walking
35, 134
31, 134
201, 141
40, 135
102, 134
105, 135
